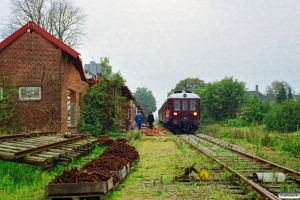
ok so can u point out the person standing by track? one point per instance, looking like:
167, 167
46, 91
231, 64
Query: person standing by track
150, 120
168, 117
138, 119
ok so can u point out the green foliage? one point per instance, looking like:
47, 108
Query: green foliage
281, 96
17, 175
294, 148
146, 99
235, 123
188, 84
135, 135
290, 95
255, 110
273, 89
100, 110
222, 99
7, 104
283, 117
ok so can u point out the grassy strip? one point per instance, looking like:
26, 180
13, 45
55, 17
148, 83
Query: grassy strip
27, 182
160, 160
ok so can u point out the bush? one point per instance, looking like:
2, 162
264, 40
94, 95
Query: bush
235, 123
294, 148
283, 117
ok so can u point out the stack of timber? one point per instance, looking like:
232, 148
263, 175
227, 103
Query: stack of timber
43, 149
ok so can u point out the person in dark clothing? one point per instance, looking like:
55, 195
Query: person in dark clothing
150, 120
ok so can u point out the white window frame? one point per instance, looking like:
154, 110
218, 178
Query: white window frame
1, 93
30, 93
192, 104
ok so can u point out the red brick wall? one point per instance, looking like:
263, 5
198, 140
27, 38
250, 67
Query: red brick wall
31, 60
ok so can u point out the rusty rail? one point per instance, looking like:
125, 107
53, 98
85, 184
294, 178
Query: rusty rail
22, 135
260, 190
288, 171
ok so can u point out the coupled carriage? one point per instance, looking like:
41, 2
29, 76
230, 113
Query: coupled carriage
184, 109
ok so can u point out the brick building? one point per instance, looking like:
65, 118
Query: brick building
49, 78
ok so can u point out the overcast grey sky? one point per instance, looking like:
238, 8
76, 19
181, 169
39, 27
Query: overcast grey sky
157, 43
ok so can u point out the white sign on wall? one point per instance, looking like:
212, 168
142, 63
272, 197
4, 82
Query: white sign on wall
30, 93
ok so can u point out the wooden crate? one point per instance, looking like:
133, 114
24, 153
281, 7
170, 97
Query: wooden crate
73, 189
121, 173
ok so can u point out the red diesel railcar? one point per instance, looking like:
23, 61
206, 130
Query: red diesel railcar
184, 112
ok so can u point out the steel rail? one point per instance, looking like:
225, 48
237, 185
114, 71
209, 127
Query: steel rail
260, 190
47, 146
288, 171
22, 135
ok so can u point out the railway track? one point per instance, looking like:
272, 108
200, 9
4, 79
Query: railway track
266, 178
44, 149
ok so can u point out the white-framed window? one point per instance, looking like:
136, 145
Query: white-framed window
184, 104
176, 104
1, 93
193, 105
72, 108
30, 93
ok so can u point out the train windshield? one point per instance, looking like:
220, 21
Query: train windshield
184, 104
177, 105
192, 105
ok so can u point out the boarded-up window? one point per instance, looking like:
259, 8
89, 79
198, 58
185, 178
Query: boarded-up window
72, 112
129, 114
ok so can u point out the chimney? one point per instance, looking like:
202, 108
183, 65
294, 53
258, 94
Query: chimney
256, 88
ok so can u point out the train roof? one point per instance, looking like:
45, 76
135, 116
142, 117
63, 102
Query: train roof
183, 95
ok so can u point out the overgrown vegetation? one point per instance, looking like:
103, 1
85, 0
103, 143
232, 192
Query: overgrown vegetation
101, 112
7, 105
257, 135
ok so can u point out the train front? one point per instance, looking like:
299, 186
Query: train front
185, 112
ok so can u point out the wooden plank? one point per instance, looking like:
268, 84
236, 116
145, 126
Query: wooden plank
79, 188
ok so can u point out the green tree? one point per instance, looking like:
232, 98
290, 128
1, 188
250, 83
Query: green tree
222, 99
273, 89
281, 96
283, 116
146, 99
99, 114
188, 84
290, 95
256, 109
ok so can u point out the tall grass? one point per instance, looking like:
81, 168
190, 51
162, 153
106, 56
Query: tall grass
27, 182
257, 135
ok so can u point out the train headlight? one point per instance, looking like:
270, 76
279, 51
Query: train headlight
175, 113
195, 113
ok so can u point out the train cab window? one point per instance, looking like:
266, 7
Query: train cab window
176, 104
192, 105
184, 104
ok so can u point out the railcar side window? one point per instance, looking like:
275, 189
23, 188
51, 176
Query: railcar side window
192, 105
184, 104
176, 104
